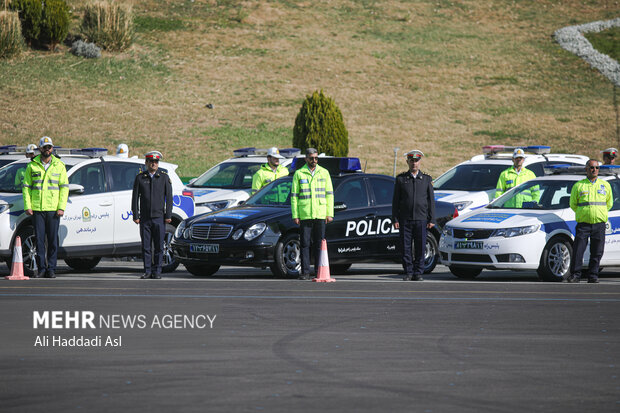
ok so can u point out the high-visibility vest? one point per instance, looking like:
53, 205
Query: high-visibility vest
509, 178
45, 190
312, 196
266, 175
591, 201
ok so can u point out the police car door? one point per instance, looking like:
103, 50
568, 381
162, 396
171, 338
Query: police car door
87, 222
387, 236
611, 255
351, 233
121, 178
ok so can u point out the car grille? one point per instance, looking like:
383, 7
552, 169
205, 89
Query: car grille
471, 258
211, 231
472, 233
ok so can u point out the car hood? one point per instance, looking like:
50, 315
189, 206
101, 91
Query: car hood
479, 197
202, 195
246, 213
507, 218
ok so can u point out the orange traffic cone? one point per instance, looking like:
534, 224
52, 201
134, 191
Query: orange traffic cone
17, 269
322, 273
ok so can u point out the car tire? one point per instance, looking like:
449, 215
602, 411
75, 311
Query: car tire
82, 264
339, 268
29, 250
287, 257
555, 260
466, 273
202, 270
169, 263
431, 256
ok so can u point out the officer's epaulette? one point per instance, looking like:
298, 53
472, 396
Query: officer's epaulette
429, 175
163, 172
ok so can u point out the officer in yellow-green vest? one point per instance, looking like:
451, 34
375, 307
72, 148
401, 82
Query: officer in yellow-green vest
312, 206
268, 173
513, 176
45, 191
19, 176
590, 198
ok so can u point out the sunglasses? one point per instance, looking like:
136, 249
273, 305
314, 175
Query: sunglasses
313, 158
594, 167
153, 160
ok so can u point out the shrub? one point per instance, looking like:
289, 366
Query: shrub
108, 24
55, 23
30, 16
319, 125
83, 49
10, 34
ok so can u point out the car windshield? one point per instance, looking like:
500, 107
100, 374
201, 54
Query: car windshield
470, 177
228, 175
276, 193
12, 176
536, 194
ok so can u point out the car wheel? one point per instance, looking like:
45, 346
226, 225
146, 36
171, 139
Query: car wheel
339, 268
555, 260
83, 264
202, 270
466, 273
287, 257
169, 263
431, 254
29, 250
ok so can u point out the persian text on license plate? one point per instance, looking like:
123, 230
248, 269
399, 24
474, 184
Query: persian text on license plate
468, 245
207, 248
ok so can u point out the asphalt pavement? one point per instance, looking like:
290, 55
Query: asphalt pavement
244, 342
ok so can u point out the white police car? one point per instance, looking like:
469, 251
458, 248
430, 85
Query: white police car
471, 185
229, 183
530, 227
98, 221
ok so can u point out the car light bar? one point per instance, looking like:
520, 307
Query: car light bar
90, 152
335, 165
287, 152
579, 170
4, 149
535, 149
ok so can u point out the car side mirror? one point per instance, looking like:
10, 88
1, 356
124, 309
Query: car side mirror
340, 206
191, 181
76, 189
241, 203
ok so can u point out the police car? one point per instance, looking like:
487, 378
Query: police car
261, 233
471, 185
98, 221
530, 227
229, 183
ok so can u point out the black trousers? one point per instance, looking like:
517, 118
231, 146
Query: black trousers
312, 233
413, 231
152, 232
596, 234
46, 224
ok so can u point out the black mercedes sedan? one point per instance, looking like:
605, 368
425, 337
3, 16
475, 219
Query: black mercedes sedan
261, 233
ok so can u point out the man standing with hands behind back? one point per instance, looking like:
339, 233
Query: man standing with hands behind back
413, 211
312, 206
45, 191
151, 206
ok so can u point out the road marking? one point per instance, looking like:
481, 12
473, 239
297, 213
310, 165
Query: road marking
308, 297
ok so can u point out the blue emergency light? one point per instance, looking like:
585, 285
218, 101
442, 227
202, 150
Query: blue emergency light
4, 149
287, 152
244, 151
336, 165
534, 149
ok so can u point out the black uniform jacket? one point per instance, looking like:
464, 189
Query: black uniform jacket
152, 198
413, 198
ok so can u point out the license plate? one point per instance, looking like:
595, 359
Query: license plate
207, 248
468, 245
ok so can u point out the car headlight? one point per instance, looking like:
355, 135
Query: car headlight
462, 205
238, 233
217, 205
515, 232
179, 231
5, 207
447, 232
254, 231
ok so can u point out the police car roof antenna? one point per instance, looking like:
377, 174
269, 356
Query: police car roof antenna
365, 163
395, 155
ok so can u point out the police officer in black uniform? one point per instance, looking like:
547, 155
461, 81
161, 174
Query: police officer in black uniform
413, 212
151, 205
